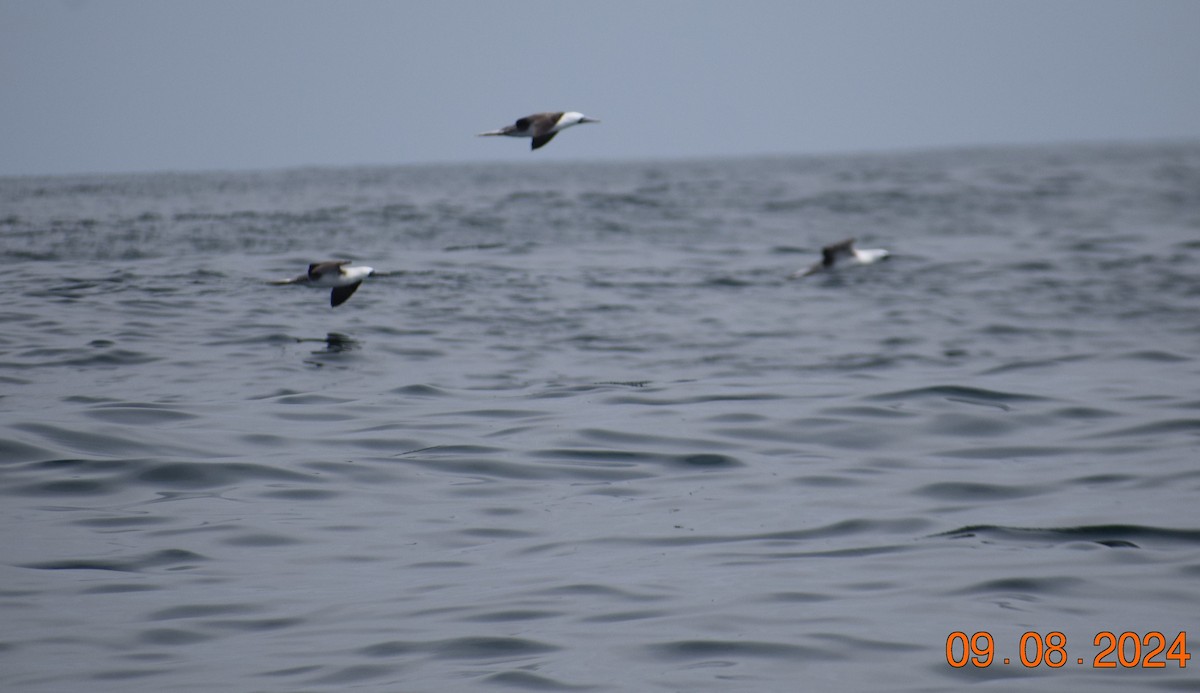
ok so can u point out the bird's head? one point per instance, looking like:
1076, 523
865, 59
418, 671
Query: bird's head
575, 118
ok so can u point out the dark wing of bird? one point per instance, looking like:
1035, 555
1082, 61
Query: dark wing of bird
316, 269
540, 140
544, 122
830, 253
341, 294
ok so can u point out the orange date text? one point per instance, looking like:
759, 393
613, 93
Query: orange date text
1128, 650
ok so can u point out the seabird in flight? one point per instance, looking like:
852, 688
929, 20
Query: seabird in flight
831, 254
333, 274
542, 127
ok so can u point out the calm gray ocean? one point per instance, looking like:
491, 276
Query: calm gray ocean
581, 432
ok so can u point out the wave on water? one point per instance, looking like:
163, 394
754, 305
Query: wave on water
581, 432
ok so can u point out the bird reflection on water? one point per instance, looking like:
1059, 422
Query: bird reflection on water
335, 343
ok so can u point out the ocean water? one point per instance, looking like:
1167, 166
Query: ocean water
581, 432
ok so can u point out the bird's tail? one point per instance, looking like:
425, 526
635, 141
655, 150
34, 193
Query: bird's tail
805, 271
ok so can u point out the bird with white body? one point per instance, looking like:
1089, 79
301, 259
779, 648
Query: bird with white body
335, 275
843, 250
542, 127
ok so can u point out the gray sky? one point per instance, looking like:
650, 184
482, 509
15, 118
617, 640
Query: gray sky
150, 85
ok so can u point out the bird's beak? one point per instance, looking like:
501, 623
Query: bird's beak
586, 119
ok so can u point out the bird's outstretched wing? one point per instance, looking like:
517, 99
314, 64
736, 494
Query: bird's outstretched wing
830, 253
341, 294
540, 140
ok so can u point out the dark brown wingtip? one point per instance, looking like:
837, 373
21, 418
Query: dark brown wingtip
829, 253
317, 268
341, 294
541, 140
840, 245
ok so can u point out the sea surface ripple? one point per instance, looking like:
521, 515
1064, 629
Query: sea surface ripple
580, 431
